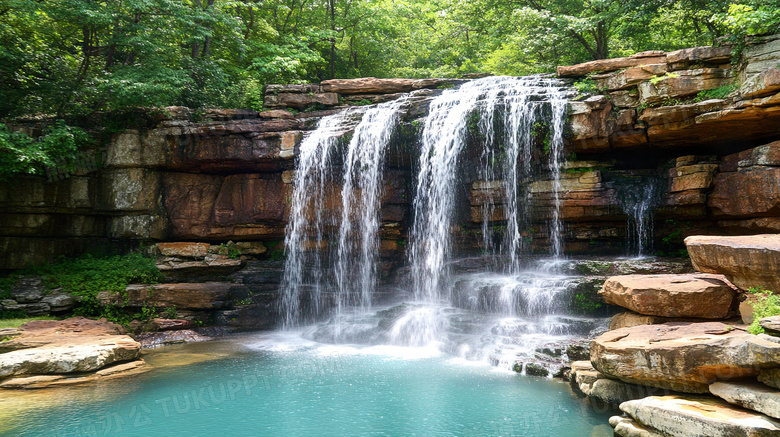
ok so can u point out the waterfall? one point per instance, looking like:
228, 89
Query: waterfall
637, 203
506, 161
361, 194
308, 269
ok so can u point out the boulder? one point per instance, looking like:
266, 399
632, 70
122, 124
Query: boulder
747, 261
69, 358
698, 417
698, 295
685, 357
203, 296
753, 396
66, 346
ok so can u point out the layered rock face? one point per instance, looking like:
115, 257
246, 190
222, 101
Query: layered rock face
220, 175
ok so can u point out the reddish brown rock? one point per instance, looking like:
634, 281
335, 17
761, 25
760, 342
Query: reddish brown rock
683, 58
190, 250
197, 296
372, 85
601, 65
748, 192
703, 296
300, 101
685, 357
171, 324
629, 77
748, 261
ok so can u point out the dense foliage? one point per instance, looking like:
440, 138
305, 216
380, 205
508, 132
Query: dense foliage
80, 56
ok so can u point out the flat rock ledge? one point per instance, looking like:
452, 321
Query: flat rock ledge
690, 416
751, 395
684, 357
748, 261
604, 390
697, 295
48, 351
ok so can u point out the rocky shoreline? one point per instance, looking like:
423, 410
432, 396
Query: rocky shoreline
660, 373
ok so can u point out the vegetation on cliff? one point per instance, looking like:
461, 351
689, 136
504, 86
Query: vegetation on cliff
80, 56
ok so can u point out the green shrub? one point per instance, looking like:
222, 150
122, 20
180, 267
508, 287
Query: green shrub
767, 304
58, 146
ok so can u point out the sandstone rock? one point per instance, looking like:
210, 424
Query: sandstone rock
748, 261
130, 189
685, 357
698, 417
683, 84
210, 269
45, 381
155, 339
771, 325
749, 192
644, 58
171, 324
694, 55
761, 85
625, 99
300, 101
627, 427
372, 85
209, 295
190, 250
68, 358
627, 319
27, 290
693, 295
770, 377
597, 386
753, 396
630, 76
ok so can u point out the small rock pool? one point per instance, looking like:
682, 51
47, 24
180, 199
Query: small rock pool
284, 385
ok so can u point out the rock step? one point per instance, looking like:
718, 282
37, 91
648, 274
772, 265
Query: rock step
599, 387
747, 261
696, 416
754, 396
685, 357
45, 381
697, 295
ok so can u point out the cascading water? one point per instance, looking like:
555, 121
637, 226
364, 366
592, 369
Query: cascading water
638, 201
312, 223
501, 317
361, 194
514, 105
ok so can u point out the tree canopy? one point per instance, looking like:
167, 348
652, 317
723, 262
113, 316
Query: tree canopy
79, 56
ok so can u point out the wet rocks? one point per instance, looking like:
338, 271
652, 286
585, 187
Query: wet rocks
691, 417
693, 295
748, 261
685, 357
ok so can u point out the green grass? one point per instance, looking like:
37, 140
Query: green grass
767, 305
15, 323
